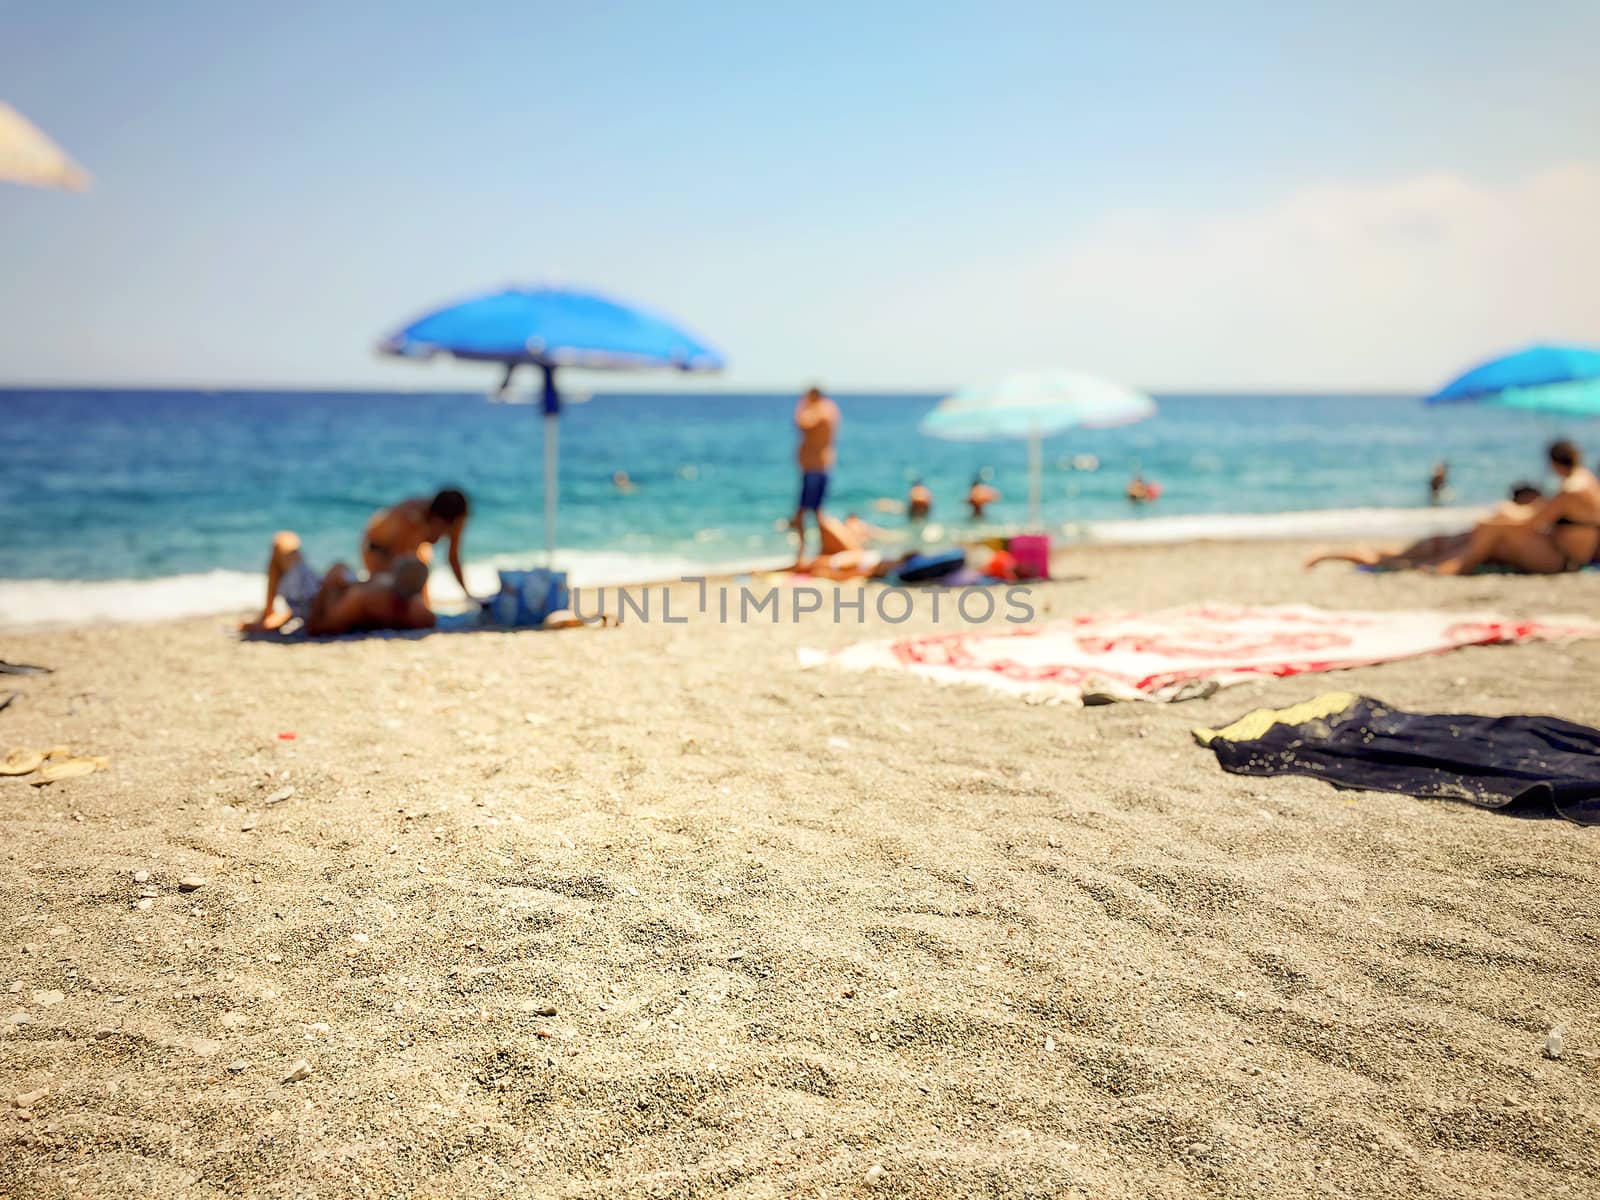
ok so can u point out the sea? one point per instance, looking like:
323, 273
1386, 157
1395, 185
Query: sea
139, 504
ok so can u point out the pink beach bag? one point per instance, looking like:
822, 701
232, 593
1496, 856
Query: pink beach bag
1032, 552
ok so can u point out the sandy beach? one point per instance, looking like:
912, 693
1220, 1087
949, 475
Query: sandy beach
650, 911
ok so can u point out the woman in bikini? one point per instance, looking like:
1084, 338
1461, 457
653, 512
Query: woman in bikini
1562, 534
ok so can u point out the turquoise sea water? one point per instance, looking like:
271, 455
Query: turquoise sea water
150, 485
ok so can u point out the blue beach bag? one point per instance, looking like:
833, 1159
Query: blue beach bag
528, 597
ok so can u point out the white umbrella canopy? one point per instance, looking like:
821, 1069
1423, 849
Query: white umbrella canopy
28, 156
1034, 405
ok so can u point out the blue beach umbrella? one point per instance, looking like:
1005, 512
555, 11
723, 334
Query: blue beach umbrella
1034, 405
547, 328
1564, 380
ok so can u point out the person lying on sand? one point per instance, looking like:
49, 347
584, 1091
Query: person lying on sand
1430, 551
846, 556
1561, 534
338, 602
844, 553
412, 527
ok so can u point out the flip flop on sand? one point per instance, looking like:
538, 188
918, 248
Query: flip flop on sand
21, 762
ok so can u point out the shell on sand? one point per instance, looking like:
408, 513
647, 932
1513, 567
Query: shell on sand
21, 762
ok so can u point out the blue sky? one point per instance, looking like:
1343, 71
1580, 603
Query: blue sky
876, 195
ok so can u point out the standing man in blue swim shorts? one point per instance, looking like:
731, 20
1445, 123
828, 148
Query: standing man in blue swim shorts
817, 419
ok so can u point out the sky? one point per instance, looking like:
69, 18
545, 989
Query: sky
1234, 196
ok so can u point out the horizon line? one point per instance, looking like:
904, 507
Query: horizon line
736, 390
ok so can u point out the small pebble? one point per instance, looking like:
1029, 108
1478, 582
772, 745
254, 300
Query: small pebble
298, 1070
141, 876
545, 1010
874, 1173
238, 1065
1553, 1044
205, 1047
143, 905
191, 883
279, 796
360, 939
1049, 1044
29, 1099
46, 999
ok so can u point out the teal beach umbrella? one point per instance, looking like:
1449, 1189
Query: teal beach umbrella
1034, 405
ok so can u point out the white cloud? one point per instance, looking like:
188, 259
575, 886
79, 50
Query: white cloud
1391, 285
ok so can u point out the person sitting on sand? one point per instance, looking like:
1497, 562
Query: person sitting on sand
1561, 534
1429, 551
980, 496
412, 527
919, 501
338, 602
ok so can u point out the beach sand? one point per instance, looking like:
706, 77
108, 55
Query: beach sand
651, 912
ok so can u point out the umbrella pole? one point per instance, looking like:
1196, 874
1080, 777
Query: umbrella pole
552, 462
1035, 478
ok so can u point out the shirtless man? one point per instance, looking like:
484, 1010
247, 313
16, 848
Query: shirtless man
338, 602
1562, 534
412, 527
980, 496
817, 419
